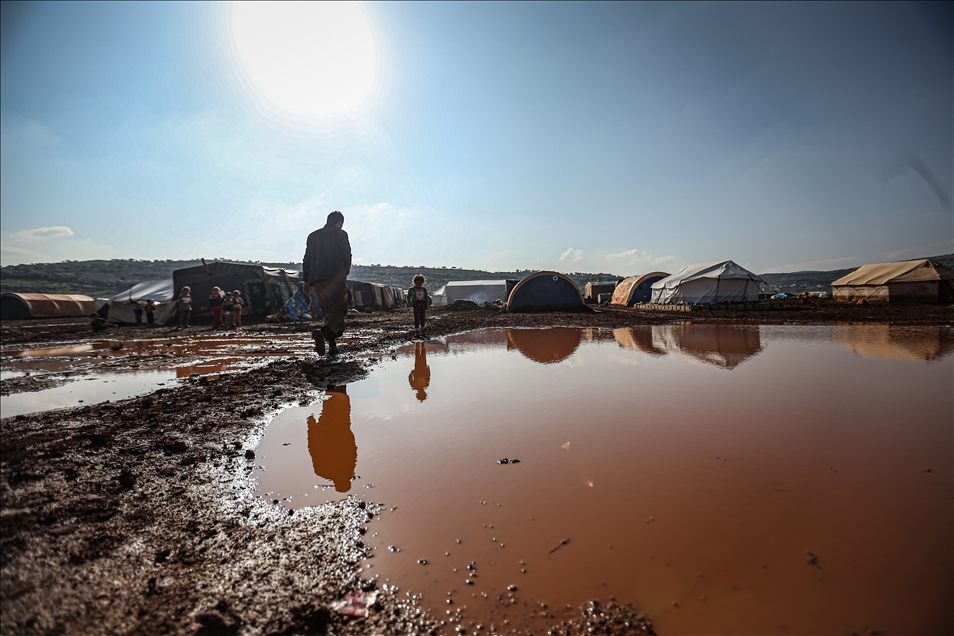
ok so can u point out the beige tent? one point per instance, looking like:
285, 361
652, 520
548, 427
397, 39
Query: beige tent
592, 291
636, 289
25, 306
922, 281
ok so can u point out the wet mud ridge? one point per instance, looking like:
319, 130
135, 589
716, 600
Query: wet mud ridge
139, 516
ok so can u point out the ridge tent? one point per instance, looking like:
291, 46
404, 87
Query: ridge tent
707, 283
440, 296
545, 291
636, 289
17, 306
478, 291
265, 290
122, 307
920, 281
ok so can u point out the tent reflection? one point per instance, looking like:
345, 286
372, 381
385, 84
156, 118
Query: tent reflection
921, 343
331, 444
724, 346
545, 346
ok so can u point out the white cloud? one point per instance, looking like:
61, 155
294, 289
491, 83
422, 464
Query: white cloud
571, 255
42, 234
637, 257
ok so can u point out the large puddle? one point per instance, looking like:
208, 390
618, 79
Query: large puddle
724, 479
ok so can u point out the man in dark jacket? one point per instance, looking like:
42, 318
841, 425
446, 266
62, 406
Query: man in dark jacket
325, 269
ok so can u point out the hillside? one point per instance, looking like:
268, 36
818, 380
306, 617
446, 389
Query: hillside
101, 278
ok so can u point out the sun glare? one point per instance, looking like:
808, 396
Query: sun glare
314, 60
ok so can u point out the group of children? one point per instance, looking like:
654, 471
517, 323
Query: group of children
148, 308
226, 307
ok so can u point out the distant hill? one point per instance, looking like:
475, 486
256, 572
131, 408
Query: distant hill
102, 279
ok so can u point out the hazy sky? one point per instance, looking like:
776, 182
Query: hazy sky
614, 137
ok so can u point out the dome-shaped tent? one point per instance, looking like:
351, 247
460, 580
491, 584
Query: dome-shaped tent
545, 291
16, 306
636, 289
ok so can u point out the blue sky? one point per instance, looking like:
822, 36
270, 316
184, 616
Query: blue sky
614, 137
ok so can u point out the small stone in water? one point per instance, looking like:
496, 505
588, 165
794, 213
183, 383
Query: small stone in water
422, 561
503, 461
468, 582
394, 548
514, 461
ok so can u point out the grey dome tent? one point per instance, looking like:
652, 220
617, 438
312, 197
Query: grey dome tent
545, 291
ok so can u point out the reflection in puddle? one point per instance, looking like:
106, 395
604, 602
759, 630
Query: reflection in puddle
690, 492
896, 341
725, 346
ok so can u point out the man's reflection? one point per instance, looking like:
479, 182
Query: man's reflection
420, 377
334, 453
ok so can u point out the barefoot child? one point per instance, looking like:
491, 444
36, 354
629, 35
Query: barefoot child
420, 300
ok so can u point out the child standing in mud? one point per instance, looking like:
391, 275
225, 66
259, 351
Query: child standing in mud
237, 301
228, 307
185, 306
420, 300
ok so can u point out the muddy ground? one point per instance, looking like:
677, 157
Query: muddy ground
138, 516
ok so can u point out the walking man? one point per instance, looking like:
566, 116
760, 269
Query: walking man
325, 269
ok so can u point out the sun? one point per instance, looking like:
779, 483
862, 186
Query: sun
312, 60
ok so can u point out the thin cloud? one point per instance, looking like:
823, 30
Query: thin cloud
637, 257
42, 234
12, 255
571, 255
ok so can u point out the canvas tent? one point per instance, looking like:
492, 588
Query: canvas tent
921, 281
592, 290
478, 291
16, 306
707, 283
545, 291
265, 290
122, 307
636, 289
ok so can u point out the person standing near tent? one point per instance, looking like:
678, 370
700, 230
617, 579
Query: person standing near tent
185, 306
151, 313
228, 307
420, 300
237, 301
325, 268
138, 312
215, 302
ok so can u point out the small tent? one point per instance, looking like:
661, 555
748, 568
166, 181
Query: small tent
440, 296
920, 281
707, 283
592, 290
545, 291
16, 306
478, 291
636, 289
122, 307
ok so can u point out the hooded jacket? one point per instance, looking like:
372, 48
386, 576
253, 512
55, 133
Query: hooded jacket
327, 255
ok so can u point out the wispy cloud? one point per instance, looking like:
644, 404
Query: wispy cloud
42, 234
12, 255
571, 255
637, 257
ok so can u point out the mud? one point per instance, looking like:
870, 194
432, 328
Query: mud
137, 516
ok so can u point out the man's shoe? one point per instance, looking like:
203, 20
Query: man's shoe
319, 342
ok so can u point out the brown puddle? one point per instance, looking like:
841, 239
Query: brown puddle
724, 479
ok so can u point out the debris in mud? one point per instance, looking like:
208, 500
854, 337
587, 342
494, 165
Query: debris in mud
562, 543
355, 604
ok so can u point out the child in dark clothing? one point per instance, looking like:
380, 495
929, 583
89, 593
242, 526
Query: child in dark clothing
420, 300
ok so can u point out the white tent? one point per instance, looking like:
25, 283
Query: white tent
707, 283
439, 297
122, 306
478, 291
